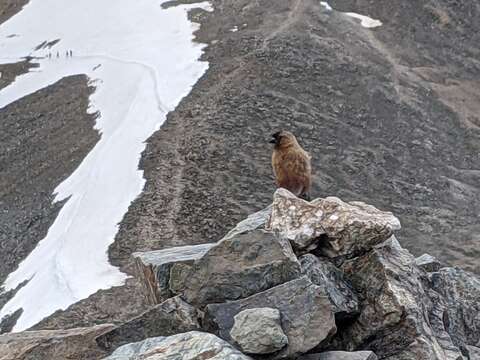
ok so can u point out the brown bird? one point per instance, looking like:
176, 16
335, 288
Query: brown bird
291, 164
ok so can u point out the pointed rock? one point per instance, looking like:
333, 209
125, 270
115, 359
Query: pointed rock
252, 222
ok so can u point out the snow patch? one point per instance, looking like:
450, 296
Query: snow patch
142, 61
365, 21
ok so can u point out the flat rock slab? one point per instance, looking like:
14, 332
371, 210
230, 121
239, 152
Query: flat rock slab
186, 346
153, 268
171, 317
340, 355
236, 267
337, 228
72, 344
306, 314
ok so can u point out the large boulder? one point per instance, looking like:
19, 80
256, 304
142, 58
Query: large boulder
337, 228
323, 273
460, 291
186, 346
236, 267
340, 355
153, 268
71, 344
396, 309
296, 220
307, 316
258, 331
171, 317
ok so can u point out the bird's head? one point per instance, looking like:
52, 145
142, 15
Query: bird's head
283, 139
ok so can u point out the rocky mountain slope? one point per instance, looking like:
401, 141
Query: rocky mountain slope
299, 280
389, 114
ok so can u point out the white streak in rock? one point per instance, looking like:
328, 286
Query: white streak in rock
142, 61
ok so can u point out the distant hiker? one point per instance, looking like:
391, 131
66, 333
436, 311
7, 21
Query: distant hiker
49, 55
66, 53
58, 54
71, 53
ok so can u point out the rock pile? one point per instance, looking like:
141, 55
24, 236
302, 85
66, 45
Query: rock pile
320, 280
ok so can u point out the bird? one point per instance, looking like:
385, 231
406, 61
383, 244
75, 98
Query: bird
291, 164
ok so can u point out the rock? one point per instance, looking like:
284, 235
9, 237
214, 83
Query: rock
428, 263
252, 222
340, 292
296, 220
258, 331
171, 317
340, 355
461, 292
154, 268
336, 227
396, 310
354, 228
236, 267
186, 346
76, 343
472, 352
306, 314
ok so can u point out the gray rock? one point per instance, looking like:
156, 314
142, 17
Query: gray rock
296, 220
397, 319
428, 263
340, 292
472, 352
307, 314
236, 267
252, 222
460, 291
340, 355
186, 346
76, 343
355, 227
171, 317
258, 331
347, 228
153, 268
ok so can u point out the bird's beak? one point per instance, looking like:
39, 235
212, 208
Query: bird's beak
273, 141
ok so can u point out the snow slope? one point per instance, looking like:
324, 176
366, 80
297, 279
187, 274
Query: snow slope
142, 60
